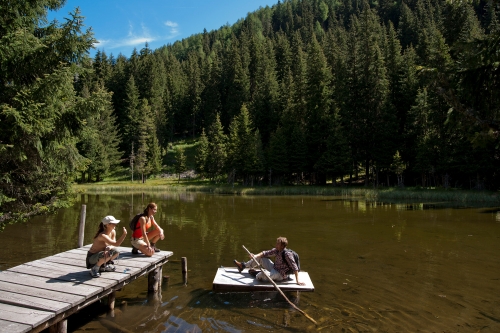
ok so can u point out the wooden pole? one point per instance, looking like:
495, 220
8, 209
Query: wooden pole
81, 231
153, 280
60, 327
278, 288
184, 270
111, 301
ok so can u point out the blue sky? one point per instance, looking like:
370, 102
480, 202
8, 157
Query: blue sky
119, 26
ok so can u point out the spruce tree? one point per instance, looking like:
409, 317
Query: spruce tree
180, 162
39, 121
201, 156
217, 154
318, 102
278, 160
132, 111
144, 134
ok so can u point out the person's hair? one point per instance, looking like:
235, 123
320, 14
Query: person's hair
150, 205
101, 229
282, 240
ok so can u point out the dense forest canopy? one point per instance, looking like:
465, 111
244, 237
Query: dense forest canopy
305, 91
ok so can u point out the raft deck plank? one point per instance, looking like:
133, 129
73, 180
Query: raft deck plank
229, 279
40, 293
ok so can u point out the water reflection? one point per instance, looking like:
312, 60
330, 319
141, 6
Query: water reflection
376, 266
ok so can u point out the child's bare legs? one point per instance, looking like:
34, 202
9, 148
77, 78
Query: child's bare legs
107, 258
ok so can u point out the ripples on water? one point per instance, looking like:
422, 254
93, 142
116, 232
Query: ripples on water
376, 267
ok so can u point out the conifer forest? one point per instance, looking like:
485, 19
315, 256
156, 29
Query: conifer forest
387, 93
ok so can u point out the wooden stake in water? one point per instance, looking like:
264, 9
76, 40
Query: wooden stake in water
278, 288
81, 231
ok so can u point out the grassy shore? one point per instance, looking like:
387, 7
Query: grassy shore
381, 194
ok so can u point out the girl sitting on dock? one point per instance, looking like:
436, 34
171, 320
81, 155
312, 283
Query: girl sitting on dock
101, 252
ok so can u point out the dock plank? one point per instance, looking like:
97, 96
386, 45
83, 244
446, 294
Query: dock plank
80, 278
32, 302
79, 261
42, 293
9, 327
50, 284
230, 279
25, 316
83, 274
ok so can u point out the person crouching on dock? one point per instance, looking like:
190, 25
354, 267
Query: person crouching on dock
143, 240
102, 252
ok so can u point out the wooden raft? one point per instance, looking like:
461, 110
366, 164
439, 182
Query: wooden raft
229, 279
42, 293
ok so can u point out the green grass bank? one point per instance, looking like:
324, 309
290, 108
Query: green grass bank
382, 194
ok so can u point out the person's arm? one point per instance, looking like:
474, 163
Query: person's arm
261, 254
162, 236
111, 241
291, 263
297, 279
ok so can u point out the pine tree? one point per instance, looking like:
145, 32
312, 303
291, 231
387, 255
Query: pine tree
318, 103
217, 154
201, 157
155, 154
278, 157
39, 121
132, 109
264, 107
241, 146
180, 162
145, 130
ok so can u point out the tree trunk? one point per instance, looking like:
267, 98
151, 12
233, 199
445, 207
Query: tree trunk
367, 172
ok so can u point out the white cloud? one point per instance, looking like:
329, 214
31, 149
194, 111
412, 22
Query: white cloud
171, 24
101, 43
139, 38
134, 39
174, 31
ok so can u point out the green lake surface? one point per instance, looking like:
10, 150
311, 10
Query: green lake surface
376, 267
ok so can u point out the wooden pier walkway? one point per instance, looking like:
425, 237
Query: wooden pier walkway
43, 293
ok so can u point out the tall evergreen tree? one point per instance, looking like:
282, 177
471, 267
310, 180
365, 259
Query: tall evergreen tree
100, 139
39, 120
318, 102
217, 154
180, 162
201, 157
143, 140
132, 105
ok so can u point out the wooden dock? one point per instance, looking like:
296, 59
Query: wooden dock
43, 293
229, 279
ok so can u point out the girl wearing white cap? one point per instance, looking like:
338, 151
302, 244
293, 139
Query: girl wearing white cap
101, 252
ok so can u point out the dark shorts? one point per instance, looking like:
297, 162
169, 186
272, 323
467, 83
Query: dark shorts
93, 258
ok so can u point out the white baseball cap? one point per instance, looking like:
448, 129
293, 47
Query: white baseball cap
110, 219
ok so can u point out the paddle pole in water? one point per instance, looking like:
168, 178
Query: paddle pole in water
278, 288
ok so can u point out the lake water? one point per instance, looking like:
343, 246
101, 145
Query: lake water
376, 267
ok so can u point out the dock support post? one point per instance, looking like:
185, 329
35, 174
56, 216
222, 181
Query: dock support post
81, 230
154, 280
60, 327
184, 270
111, 301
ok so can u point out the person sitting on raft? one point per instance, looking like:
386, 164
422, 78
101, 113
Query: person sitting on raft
276, 271
141, 239
102, 252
